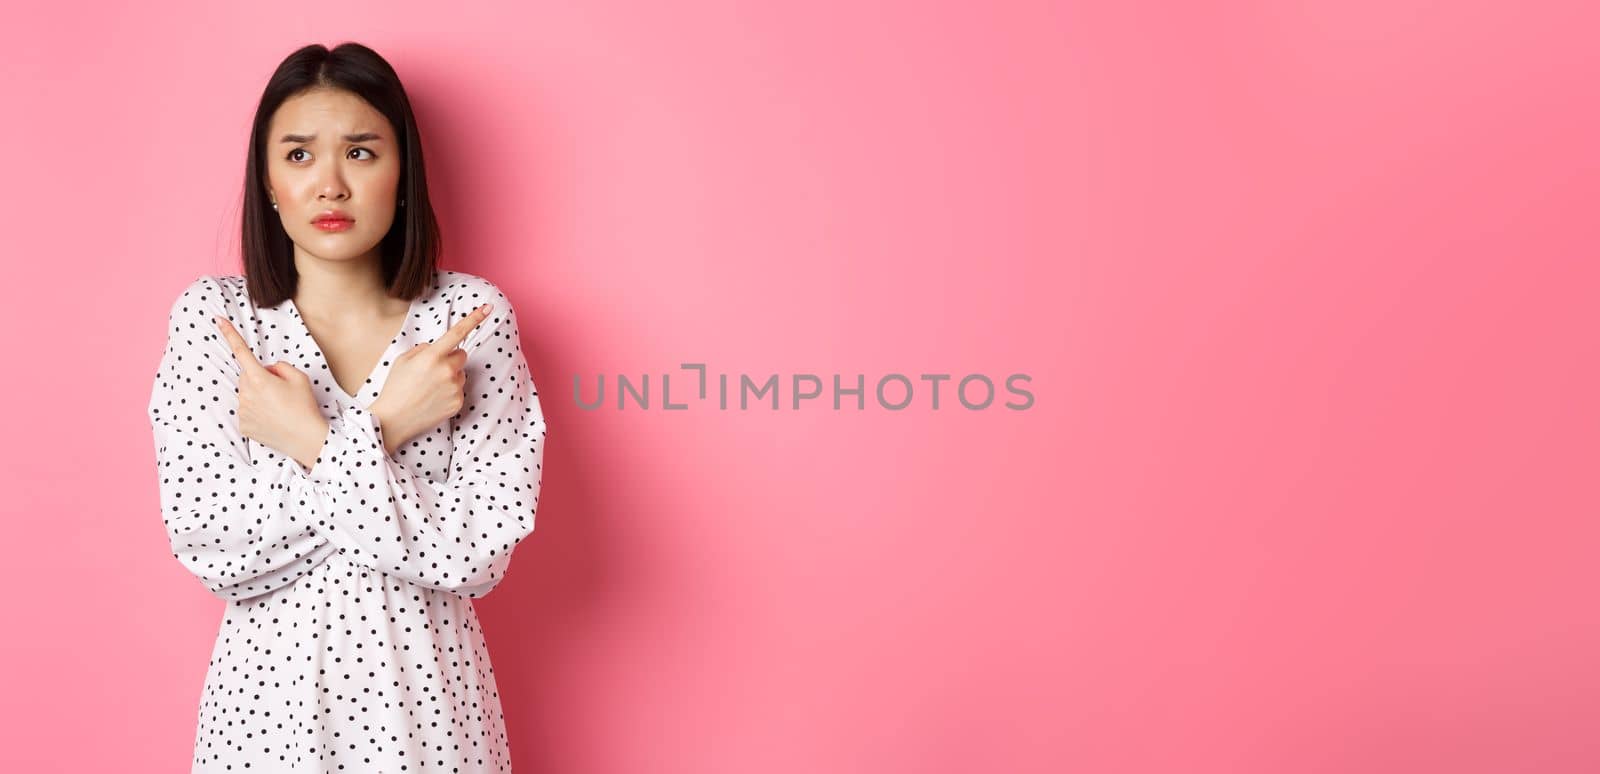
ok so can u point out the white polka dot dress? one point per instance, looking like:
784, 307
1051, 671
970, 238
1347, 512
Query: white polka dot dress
349, 641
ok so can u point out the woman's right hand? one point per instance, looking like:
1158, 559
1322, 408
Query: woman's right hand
426, 385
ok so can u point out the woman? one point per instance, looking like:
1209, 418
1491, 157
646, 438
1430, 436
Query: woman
350, 499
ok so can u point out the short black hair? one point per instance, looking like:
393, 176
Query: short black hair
410, 251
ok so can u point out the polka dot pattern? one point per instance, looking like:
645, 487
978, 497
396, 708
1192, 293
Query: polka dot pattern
349, 641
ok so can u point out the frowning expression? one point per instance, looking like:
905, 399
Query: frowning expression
333, 169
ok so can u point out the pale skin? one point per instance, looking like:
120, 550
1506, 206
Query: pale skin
425, 387
330, 150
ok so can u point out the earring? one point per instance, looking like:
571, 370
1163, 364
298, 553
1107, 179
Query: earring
274, 205
402, 202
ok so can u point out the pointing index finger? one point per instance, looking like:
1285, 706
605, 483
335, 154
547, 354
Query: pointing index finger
236, 344
458, 333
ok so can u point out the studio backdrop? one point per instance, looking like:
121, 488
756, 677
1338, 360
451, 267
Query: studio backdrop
1008, 387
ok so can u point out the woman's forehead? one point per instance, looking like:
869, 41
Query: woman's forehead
336, 111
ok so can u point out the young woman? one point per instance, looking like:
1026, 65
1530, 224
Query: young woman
349, 446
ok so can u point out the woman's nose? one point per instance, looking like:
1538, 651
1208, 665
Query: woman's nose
332, 186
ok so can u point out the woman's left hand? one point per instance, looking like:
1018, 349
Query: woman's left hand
276, 405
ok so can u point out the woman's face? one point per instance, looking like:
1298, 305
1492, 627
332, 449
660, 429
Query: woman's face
329, 151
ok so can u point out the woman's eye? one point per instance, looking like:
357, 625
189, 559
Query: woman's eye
369, 153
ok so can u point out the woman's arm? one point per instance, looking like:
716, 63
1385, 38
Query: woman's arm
241, 528
456, 534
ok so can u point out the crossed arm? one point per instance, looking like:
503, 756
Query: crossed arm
246, 529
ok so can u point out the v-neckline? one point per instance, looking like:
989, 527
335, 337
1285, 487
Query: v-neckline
386, 356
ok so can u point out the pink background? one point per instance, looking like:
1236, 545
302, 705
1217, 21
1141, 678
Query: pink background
1307, 291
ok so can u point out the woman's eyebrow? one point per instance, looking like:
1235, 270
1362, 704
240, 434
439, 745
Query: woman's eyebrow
361, 137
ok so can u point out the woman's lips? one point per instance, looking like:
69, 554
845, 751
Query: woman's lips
333, 224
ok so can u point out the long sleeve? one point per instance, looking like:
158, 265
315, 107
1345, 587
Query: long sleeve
457, 534
239, 527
